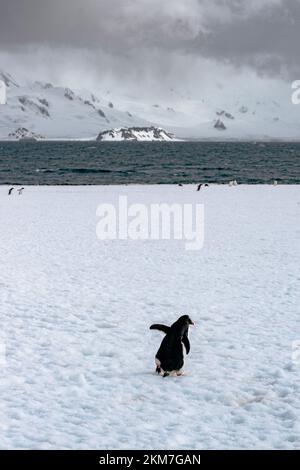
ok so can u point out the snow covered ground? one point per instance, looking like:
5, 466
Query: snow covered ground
78, 371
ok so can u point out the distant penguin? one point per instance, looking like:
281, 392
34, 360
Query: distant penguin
199, 186
20, 191
10, 191
169, 358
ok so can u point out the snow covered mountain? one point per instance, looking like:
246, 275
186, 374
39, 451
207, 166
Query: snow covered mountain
136, 134
42, 110
36, 110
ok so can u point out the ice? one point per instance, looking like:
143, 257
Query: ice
78, 370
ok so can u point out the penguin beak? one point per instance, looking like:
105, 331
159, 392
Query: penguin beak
191, 322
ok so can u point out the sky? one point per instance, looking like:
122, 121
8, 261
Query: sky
151, 45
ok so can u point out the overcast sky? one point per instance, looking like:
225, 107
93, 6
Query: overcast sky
155, 41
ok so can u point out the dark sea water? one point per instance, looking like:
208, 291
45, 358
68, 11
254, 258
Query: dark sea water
138, 162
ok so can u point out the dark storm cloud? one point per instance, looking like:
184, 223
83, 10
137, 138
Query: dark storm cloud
261, 34
108, 24
267, 40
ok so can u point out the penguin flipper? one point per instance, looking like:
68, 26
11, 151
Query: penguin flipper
165, 329
186, 343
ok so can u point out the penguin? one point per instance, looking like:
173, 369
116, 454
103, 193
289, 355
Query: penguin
199, 186
10, 191
20, 191
169, 358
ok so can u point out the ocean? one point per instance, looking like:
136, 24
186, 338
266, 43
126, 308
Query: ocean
91, 163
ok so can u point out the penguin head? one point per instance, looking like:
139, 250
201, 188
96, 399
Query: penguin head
185, 319
182, 324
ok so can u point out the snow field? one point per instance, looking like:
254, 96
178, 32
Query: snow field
75, 316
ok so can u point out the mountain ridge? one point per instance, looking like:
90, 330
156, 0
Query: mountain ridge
56, 112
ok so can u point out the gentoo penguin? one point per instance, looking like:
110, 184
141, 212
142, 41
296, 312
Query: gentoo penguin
20, 191
169, 358
10, 191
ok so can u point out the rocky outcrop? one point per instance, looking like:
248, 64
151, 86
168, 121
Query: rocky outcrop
27, 103
69, 94
243, 109
225, 114
219, 125
136, 134
8, 80
22, 133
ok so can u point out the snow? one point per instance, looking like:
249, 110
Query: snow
78, 371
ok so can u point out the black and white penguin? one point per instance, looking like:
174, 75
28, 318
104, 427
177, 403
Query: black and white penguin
10, 191
169, 358
20, 191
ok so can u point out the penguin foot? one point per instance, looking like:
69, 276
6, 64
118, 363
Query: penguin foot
158, 370
173, 373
